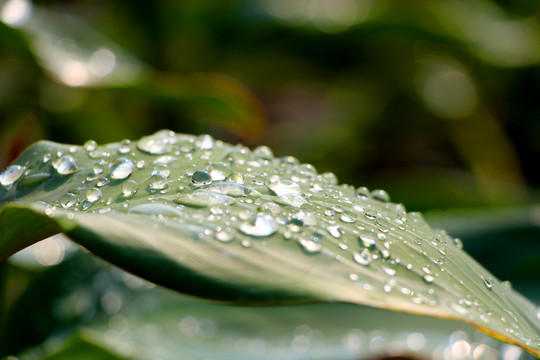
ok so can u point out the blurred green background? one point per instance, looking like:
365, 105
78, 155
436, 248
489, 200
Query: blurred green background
437, 102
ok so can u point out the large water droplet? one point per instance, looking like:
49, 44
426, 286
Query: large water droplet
129, 188
368, 237
380, 195
232, 189
65, 165
363, 257
204, 199
68, 200
121, 168
11, 174
313, 243
236, 177
161, 169
94, 195
90, 145
218, 171
201, 177
284, 187
155, 145
291, 200
155, 209
158, 182
261, 226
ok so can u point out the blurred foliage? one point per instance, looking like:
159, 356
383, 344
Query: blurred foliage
435, 102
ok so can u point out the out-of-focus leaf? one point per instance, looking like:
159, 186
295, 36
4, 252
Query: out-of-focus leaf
72, 53
83, 346
223, 222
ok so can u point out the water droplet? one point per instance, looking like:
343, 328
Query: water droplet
236, 177
368, 237
129, 188
47, 157
380, 195
364, 257
11, 174
232, 189
389, 271
348, 216
205, 142
154, 145
103, 181
284, 187
125, 147
218, 171
263, 152
312, 244
428, 278
201, 177
261, 226
161, 169
68, 200
141, 164
163, 210
65, 165
90, 145
158, 182
224, 235
370, 214
488, 284
334, 230
203, 199
121, 168
93, 195
291, 200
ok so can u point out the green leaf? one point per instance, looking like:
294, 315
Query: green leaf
223, 222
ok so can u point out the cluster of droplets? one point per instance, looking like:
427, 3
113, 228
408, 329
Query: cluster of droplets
230, 194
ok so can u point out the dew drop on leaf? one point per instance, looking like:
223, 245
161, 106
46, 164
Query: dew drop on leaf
90, 145
201, 177
236, 177
154, 145
261, 225
284, 187
65, 165
121, 168
218, 171
129, 188
11, 174
161, 169
94, 195
364, 257
158, 182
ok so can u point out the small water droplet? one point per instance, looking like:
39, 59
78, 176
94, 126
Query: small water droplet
65, 165
158, 182
129, 188
154, 145
236, 177
313, 243
488, 284
93, 195
90, 145
201, 177
428, 278
47, 157
380, 195
205, 142
364, 257
141, 164
261, 226
224, 235
388, 270
368, 237
121, 168
103, 181
11, 174
348, 216
161, 169
370, 214
263, 152
125, 147
218, 171
68, 200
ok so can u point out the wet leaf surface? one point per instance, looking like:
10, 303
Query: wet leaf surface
223, 222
